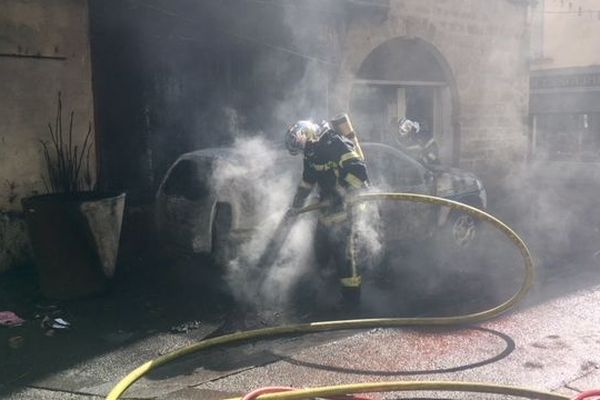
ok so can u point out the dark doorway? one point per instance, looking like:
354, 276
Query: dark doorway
405, 78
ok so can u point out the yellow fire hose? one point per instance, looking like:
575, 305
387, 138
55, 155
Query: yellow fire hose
312, 327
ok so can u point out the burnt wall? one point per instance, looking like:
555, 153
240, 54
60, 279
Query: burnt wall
175, 76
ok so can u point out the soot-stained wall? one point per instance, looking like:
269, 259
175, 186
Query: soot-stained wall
44, 49
173, 76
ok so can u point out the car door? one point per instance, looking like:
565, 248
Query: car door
393, 171
265, 188
185, 206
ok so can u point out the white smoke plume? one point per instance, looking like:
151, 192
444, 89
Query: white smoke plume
261, 181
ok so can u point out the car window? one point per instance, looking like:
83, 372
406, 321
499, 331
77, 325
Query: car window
391, 168
187, 179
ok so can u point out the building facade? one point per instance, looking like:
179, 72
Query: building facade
458, 67
565, 81
44, 49
171, 76
191, 75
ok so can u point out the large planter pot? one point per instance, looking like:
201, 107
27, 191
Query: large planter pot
75, 240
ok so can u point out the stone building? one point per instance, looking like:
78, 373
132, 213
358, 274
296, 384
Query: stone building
172, 76
565, 81
461, 67
44, 49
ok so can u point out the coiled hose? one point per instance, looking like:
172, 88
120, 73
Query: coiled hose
312, 327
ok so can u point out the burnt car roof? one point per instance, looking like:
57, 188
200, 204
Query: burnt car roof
233, 153
212, 152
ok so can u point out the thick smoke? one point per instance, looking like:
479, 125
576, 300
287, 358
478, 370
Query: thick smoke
264, 177
424, 273
552, 205
261, 180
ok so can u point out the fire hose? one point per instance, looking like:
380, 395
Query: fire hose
313, 327
341, 392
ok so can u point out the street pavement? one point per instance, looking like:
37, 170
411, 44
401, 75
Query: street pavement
550, 343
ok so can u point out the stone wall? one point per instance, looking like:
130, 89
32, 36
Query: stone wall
152, 106
44, 49
485, 45
570, 34
14, 244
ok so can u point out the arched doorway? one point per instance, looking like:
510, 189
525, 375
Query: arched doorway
406, 78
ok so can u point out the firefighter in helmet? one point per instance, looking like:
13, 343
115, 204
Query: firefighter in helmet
418, 141
334, 165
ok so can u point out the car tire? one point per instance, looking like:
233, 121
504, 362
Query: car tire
461, 229
221, 228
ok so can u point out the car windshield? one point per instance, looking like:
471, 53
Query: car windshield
187, 180
392, 168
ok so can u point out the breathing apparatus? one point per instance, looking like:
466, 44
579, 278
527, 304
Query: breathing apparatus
341, 124
303, 131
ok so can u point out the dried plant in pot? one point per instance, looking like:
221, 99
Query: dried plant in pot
67, 164
74, 228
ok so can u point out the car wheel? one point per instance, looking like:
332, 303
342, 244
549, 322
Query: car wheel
221, 228
463, 229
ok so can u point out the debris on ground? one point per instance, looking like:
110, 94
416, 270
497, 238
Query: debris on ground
50, 310
10, 319
47, 307
16, 342
186, 326
54, 323
60, 323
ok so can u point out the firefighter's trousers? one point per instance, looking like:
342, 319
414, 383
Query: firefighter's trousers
334, 242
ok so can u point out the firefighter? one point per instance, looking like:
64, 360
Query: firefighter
334, 164
419, 142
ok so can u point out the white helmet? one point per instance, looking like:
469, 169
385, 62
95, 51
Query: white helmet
297, 135
407, 127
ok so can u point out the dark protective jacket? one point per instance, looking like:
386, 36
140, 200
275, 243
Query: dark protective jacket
335, 167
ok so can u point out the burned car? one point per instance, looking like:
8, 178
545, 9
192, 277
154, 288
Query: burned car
211, 200
393, 170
